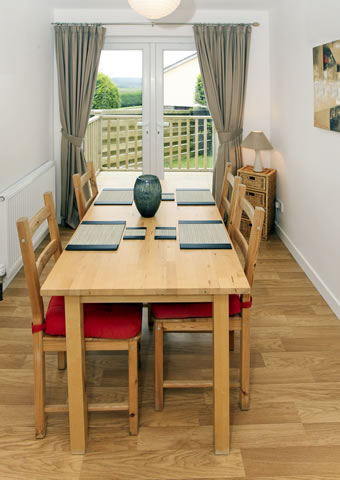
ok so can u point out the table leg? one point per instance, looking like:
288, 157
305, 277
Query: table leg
77, 400
221, 374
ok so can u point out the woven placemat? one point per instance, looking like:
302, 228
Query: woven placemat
205, 234
97, 236
134, 233
168, 197
165, 233
115, 196
194, 196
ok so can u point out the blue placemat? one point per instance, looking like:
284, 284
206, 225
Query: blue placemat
115, 196
194, 196
203, 234
97, 235
166, 197
134, 233
165, 233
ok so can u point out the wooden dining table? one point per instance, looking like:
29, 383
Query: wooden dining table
147, 271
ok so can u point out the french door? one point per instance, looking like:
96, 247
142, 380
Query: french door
146, 147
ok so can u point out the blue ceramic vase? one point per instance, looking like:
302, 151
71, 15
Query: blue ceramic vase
147, 194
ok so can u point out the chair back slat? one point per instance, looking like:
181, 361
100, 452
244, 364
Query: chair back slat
33, 267
79, 183
239, 239
38, 219
254, 244
249, 249
225, 188
45, 256
232, 206
85, 178
228, 205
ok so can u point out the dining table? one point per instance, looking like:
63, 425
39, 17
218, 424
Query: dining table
147, 271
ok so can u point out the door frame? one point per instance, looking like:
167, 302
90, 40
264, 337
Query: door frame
152, 48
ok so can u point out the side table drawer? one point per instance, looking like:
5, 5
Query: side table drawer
254, 181
256, 199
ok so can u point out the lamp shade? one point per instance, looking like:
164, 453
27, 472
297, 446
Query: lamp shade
257, 140
154, 9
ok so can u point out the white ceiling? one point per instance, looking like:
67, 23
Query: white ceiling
192, 4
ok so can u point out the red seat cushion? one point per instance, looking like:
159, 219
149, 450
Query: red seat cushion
101, 320
192, 310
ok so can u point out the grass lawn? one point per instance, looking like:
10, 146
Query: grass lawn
191, 162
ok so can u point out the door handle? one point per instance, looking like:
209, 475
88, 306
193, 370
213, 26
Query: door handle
144, 124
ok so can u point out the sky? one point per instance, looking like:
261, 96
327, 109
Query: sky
129, 63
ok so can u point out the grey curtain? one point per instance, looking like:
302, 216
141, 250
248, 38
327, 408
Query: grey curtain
78, 49
223, 54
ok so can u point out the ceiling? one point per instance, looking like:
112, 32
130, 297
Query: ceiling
192, 4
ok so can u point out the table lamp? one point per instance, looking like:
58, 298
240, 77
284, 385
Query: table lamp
258, 141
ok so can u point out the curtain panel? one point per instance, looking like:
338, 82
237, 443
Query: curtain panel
78, 49
223, 54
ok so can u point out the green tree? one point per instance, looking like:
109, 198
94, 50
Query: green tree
106, 94
199, 91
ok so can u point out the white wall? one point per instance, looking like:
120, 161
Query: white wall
26, 54
307, 158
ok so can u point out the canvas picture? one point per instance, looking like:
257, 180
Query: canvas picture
326, 62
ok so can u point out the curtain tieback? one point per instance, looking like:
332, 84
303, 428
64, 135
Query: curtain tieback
77, 141
225, 137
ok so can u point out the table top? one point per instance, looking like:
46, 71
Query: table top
148, 267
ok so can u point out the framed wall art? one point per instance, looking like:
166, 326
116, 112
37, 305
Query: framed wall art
326, 63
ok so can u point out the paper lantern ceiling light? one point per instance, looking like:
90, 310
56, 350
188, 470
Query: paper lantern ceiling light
154, 9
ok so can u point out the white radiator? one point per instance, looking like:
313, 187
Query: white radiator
23, 199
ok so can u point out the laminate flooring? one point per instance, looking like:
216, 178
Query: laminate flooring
291, 431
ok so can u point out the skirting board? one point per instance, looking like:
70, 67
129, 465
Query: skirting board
313, 276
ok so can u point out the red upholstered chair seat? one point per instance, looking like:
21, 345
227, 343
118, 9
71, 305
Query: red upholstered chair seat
192, 310
101, 320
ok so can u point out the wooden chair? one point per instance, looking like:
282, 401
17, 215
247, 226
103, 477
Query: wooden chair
119, 324
197, 317
78, 183
228, 206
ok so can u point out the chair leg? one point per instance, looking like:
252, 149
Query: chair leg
39, 386
159, 394
245, 359
232, 341
133, 387
61, 360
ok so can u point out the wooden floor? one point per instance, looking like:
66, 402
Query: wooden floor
291, 432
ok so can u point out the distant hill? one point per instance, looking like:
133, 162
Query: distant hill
127, 82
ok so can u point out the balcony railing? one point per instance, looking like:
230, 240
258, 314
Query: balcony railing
114, 142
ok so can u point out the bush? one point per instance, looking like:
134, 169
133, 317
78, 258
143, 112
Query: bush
130, 97
199, 91
106, 94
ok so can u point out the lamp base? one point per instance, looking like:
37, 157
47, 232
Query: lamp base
258, 167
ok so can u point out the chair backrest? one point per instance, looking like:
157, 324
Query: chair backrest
79, 182
256, 217
228, 206
33, 267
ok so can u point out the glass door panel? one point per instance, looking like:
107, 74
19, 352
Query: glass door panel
188, 129
117, 114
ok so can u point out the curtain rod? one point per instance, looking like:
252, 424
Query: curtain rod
254, 24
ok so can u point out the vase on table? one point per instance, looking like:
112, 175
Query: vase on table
147, 194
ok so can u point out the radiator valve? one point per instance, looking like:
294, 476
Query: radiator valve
2, 275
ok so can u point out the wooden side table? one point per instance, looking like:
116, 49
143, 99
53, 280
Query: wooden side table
260, 193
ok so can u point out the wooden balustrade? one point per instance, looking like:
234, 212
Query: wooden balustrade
114, 142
